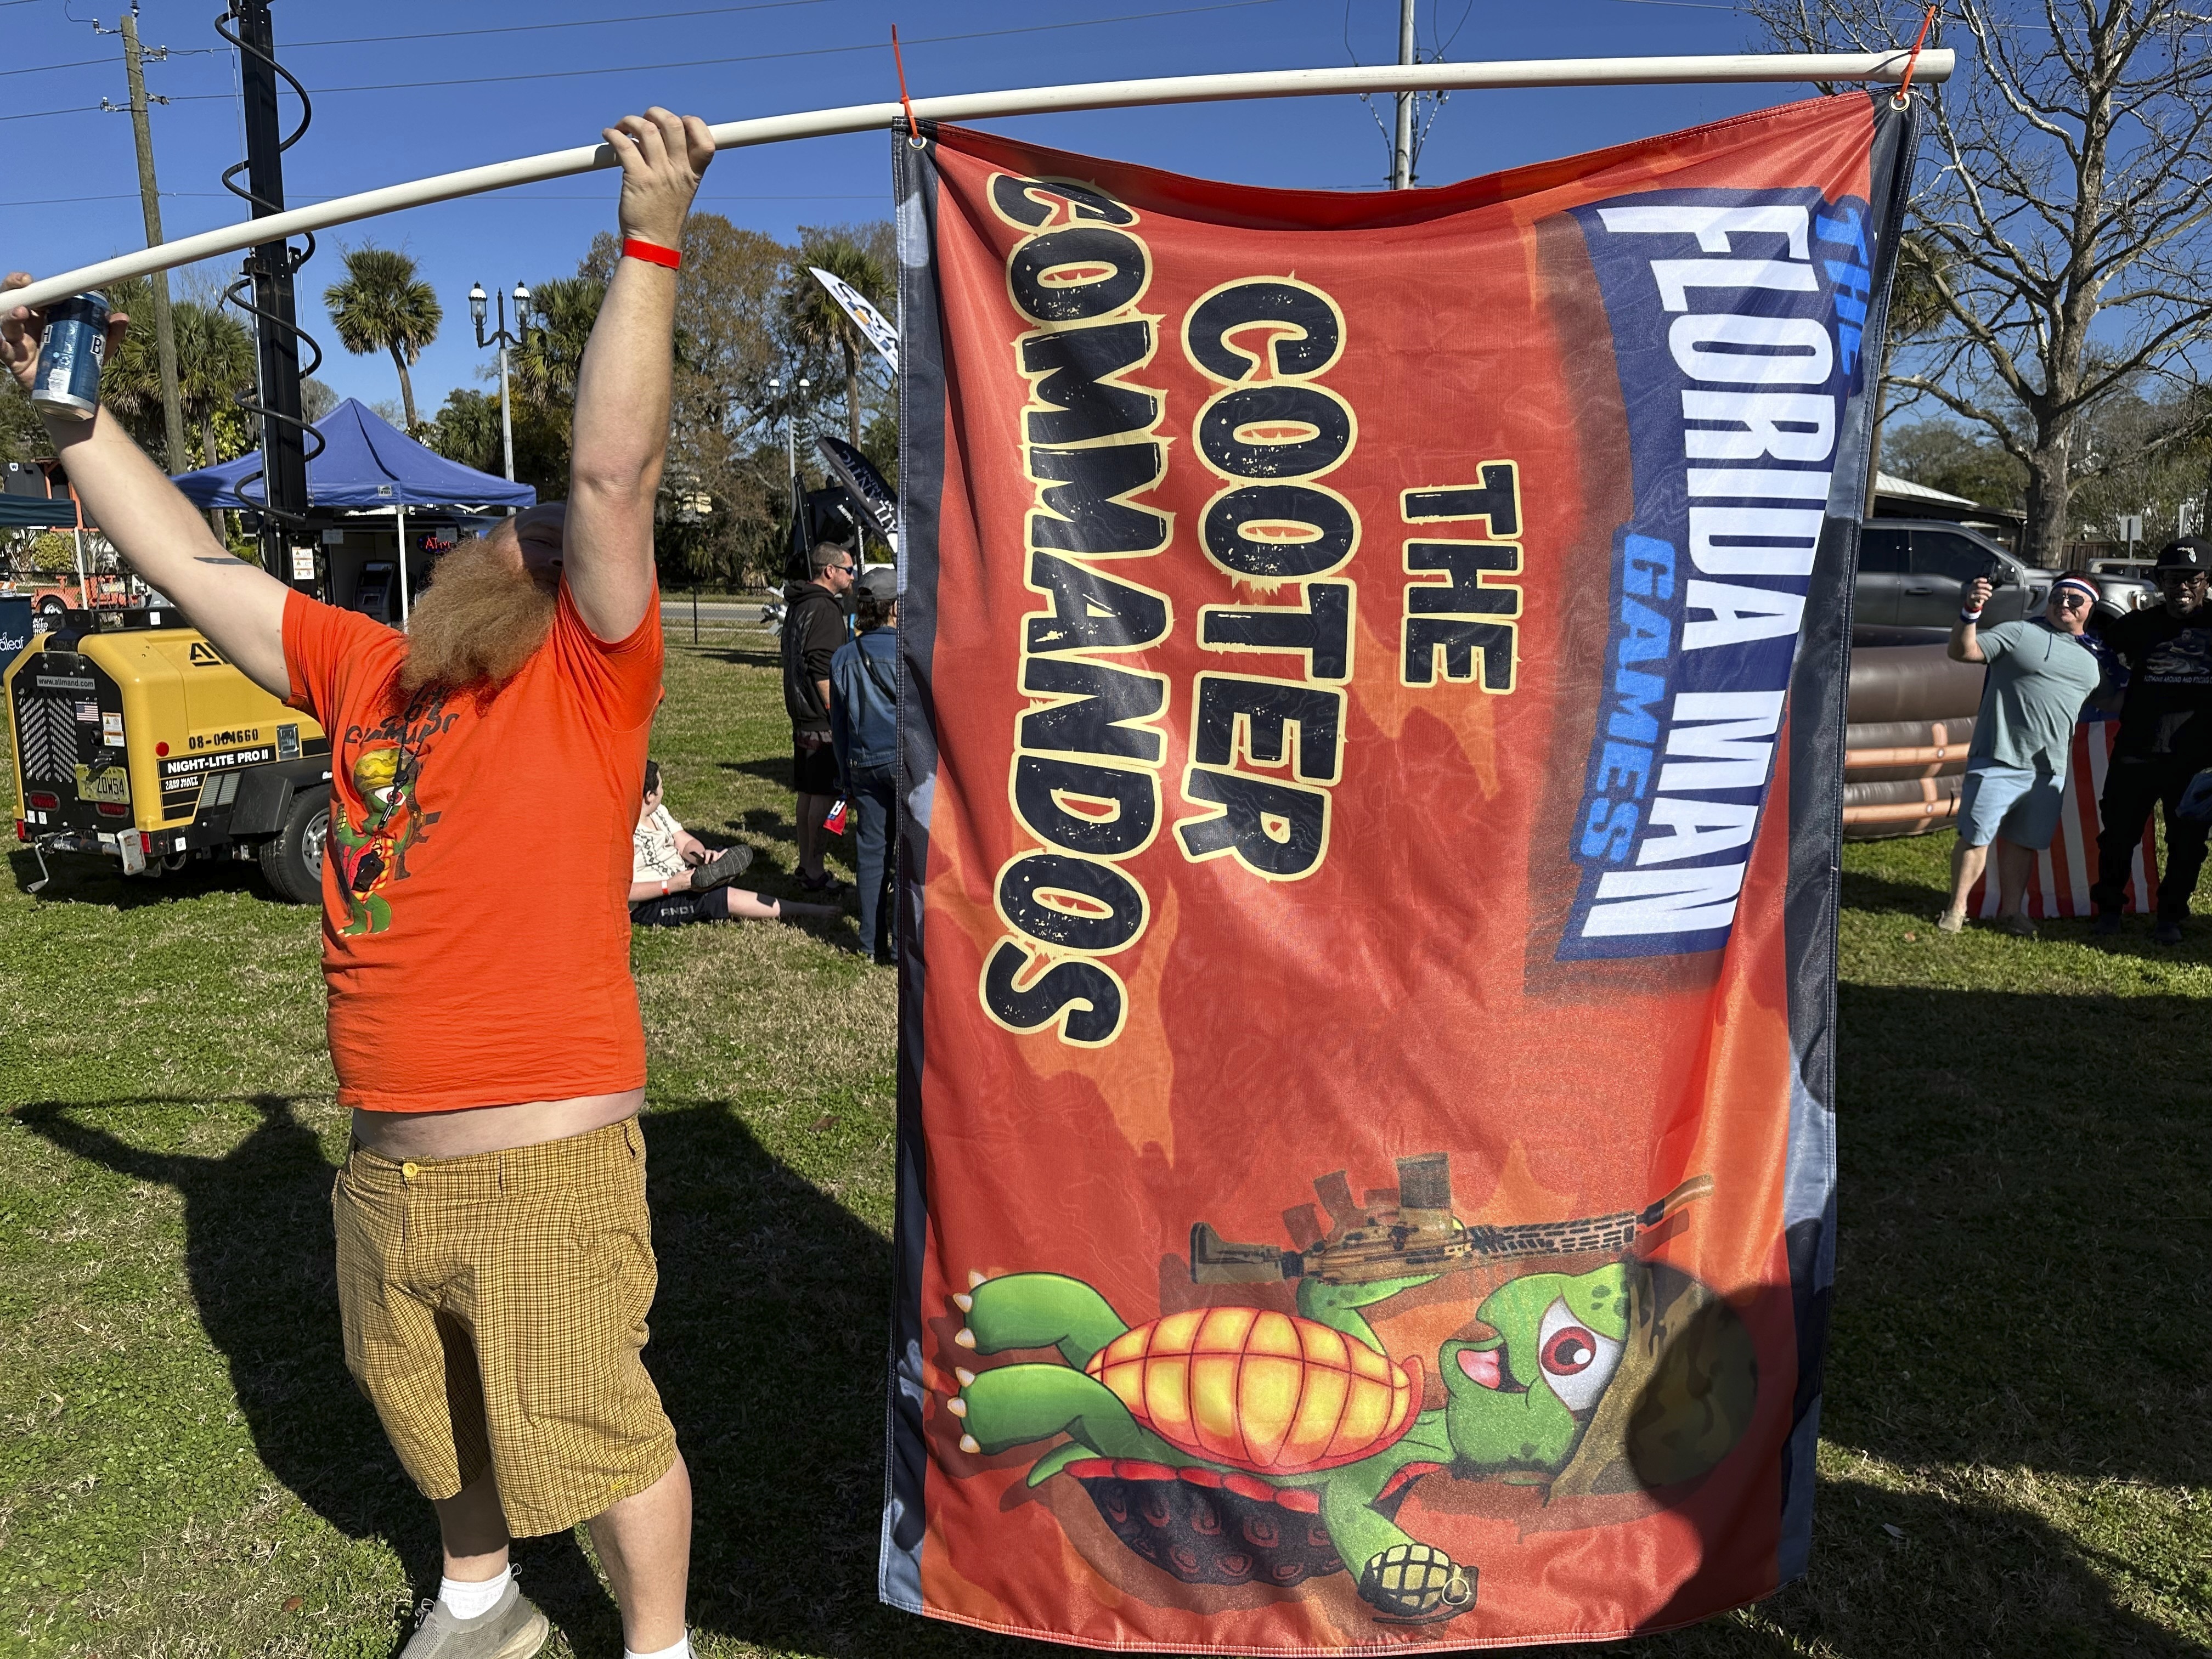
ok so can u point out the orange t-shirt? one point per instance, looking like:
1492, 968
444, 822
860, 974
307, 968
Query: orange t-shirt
476, 936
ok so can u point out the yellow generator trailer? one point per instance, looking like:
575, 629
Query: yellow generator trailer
135, 739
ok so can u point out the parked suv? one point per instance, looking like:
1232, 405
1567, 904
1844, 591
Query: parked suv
1913, 574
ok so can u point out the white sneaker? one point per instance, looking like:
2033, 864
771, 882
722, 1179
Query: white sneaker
513, 1629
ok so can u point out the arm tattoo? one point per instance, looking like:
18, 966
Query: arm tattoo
217, 558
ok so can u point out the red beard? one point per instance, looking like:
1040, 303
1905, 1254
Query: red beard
483, 617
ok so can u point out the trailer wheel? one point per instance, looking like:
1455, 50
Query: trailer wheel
53, 609
293, 862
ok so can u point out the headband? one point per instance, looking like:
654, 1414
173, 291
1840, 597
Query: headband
2088, 587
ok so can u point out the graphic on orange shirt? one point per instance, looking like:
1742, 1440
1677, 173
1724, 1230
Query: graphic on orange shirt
387, 774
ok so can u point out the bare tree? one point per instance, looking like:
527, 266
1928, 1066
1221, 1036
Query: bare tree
2067, 180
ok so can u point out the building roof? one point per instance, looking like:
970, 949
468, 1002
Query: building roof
1888, 483
1901, 498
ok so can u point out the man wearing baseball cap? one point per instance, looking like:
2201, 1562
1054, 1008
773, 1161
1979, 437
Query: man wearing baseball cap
2041, 671
2165, 738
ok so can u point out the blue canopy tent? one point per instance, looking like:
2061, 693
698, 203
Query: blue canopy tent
366, 464
31, 512
366, 461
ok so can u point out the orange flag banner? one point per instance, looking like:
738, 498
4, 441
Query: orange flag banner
1372, 675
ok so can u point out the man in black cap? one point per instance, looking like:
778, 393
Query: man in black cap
2165, 737
814, 626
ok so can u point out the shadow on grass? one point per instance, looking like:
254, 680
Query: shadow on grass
767, 1348
767, 824
738, 658
2027, 1179
82, 878
1915, 1574
1862, 891
2021, 1276
260, 1259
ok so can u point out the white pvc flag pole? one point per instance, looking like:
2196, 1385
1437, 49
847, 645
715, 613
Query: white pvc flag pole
1888, 67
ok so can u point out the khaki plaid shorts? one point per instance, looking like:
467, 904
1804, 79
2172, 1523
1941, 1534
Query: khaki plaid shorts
495, 1309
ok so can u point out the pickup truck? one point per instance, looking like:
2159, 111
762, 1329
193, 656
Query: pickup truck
1913, 574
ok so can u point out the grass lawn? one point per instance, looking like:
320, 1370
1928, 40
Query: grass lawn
2018, 1451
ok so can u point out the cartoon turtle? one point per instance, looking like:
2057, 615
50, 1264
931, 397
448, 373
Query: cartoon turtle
1233, 1445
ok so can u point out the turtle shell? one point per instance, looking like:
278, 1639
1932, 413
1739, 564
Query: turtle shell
1263, 1391
1206, 1528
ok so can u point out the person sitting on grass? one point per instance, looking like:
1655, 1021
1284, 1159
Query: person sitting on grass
675, 877
2041, 671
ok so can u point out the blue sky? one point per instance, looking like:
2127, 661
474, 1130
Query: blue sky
434, 99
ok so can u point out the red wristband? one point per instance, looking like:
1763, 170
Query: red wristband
651, 253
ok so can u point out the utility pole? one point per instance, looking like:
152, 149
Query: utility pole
1401, 148
149, 198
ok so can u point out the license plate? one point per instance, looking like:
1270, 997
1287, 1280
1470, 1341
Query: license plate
113, 785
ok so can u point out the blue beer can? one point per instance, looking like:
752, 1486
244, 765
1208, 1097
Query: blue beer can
71, 355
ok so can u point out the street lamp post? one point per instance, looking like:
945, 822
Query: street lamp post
504, 340
790, 416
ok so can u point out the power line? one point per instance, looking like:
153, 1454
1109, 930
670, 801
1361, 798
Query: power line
40, 69
694, 63
219, 195
580, 23
154, 55
1436, 28
770, 56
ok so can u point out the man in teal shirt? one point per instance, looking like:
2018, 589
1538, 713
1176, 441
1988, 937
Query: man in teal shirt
2041, 671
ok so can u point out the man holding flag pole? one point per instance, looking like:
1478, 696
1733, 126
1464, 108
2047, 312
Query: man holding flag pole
493, 1258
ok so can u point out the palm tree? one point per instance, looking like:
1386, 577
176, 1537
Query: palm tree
130, 381
563, 310
215, 363
544, 370
383, 306
816, 321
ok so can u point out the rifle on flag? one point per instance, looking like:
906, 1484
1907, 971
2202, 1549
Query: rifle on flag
1409, 1230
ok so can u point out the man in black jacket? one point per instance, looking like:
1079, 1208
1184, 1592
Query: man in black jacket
2165, 737
814, 626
